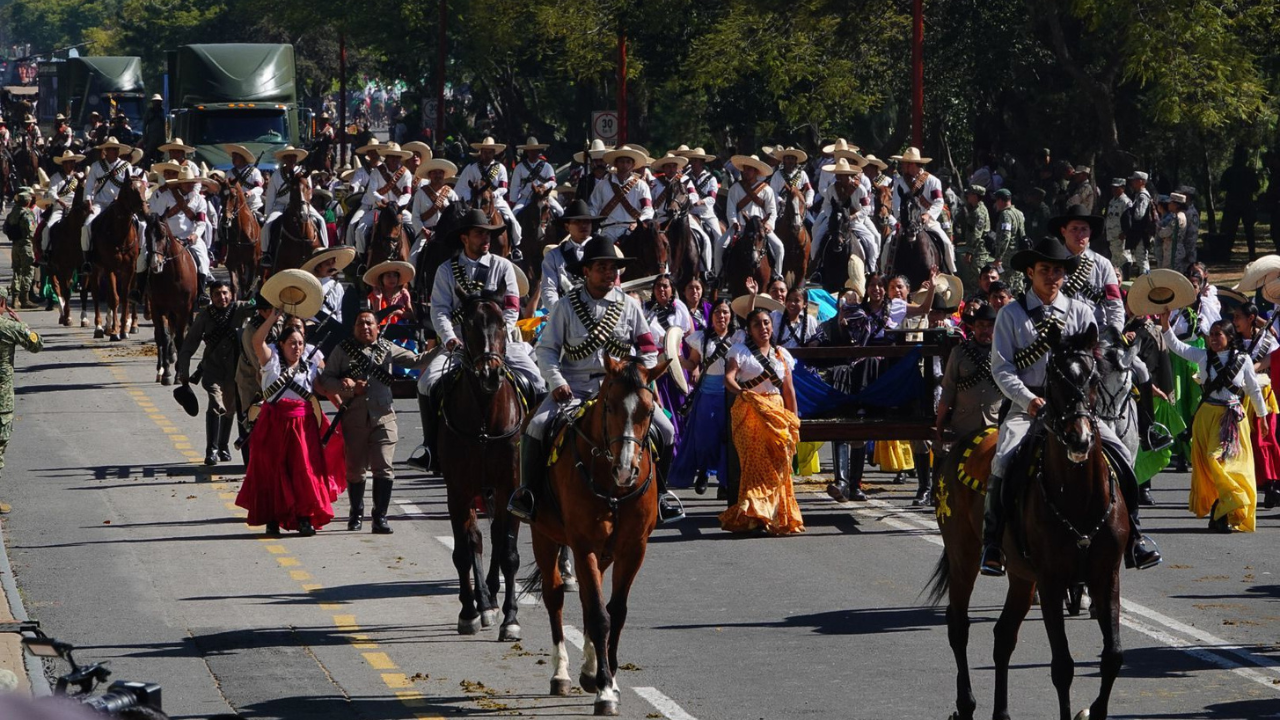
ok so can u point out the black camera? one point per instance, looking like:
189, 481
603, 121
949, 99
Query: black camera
80, 683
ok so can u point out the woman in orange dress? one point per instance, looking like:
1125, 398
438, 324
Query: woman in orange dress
765, 431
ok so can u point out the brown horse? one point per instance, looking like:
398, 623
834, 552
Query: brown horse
116, 237
241, 235
388, 240
746, 257
479, 440
602, 504
66, 257
648, 247
26, 164
296, 235
795, 240
172, 291
1076, 528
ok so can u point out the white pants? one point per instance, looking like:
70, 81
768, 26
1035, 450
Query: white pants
199, 252
514, 227
775, 245
1017, 425
268, 227
54, 217
356, 218
537, 427
519, 358
363, 228
863, 229
710, 226
556, 209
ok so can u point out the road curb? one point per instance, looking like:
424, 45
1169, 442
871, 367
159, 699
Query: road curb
11, 643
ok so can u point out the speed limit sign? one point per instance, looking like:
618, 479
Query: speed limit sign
604, 125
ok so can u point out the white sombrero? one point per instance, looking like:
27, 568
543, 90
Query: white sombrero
244, 152
1259, 273
162, 167
870, 159
298, 153
68, 156
671, 349
746, 303
373, 276
678, 160
342, 257
596, 151
1160, 290
947, 287
912, 155
418, 147
857, 281
531, 143
522, 280
186, 174
450, 170
696, 154
840, 145
296, 292
628, 151
843, 167
111, 144
393, 150
488, 144
176, 144
781, 154
373, 146
745, 161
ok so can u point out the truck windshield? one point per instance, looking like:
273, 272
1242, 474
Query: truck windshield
214, 127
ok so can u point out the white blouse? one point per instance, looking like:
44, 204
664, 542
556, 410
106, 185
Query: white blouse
749, 367
271, 372
694, 340
1245, 378
788, 334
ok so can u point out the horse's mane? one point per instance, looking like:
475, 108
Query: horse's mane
630, 377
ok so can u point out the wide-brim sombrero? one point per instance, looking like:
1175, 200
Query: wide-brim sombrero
244, 152
450, 170
1259, 273
671, 349
373, 276
948, 287
176, 144
296, 292
746, 303
1160, 290
342, 257
298, 153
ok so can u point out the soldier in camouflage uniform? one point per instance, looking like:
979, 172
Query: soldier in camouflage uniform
218, 327
973, 223
1037, 214
13, 333
1010, 228
20, 226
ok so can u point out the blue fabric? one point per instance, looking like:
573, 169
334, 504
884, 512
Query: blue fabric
825, 301
704, 443
899, 385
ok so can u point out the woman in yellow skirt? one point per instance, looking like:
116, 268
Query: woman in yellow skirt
765, 432
1222, 473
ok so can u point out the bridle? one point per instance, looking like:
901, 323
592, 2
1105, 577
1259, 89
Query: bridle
473, 366
605, 453
1056, 421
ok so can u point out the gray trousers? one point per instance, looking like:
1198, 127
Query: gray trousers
1017, 425
537, 428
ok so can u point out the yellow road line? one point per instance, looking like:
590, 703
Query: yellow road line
288, 561
396, 681
379, 661
299, 575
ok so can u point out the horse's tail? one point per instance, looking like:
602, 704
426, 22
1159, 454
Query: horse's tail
531, 585
940, 582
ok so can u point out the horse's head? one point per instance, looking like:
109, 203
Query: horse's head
627, 406
1070, 383
484, 339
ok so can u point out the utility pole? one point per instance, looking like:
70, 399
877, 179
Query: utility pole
441, 54
342, 98
917, 74
622, 87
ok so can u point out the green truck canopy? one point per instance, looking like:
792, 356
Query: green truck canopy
234, 72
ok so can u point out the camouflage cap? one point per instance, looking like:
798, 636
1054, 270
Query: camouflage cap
1117, 182
978, 190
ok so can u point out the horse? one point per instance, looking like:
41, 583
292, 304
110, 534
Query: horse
66, 257
8, 179
795, 240
116, 234
684, 252
602, 503
26, 164
296, 236
838, 246
482, 414
647, 246
1076, 529
914, 251
746, 257
172, 294
241, 235
883, 217
388, 240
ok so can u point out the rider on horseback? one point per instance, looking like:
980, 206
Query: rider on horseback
103, 182
707, 187
751, 198
624, 199
360, 181
668, 187
61, 193
595, 173
489, 174
186, 213
558, 277
471, 271
1024, 332
918, 190
60, 142
429, 201
592, 320
245, 173
31, 133
390, 187
791, 178
534, 173
848, 194
287, 179
178, 155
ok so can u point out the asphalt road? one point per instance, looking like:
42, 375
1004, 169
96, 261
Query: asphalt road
125, 546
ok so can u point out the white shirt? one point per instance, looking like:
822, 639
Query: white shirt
528, 175
749, 367
495, 172
445, 300
386, 186
695, 340
1246, 378
105, 180
422, 204
767, 208
180, 224
275, 199
1209, 312
250, 181
707, 187
793, 334
360, 180
780, 181
305, 380
637, 196
679, 317
930, 197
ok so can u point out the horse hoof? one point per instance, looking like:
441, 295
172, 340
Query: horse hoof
488, 618
468, 627
1082, 715
560, 688
98, 334
166, 380
83, 323
606, 707
571, 584
509, 633
117, 337
588, 682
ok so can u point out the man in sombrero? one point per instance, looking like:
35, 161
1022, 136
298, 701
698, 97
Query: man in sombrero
360, 180
430, 199
751, 198
533, 172
1093, 282
390, 188
103, 183
707, 186
244, 173
179, 153
559, 265
473, 270
1020, 347
624, 198
289, 174
486, 173
593, 319
917, 186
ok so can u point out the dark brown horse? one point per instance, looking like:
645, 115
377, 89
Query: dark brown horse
439, 248
116, 236
914, 251
479, 441
241, 235
535, 234
172, 294
295, 234
684, 253
648, 247
795, 239
26, 163
602, 504
66, 257
746, 257
1076, 529
388, 240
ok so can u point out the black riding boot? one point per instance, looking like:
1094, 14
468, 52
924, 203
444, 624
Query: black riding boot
531, 472
268, 258
427, 461
212, 430
992, 562
1145, 498
381, 504
1142, 552
924, 489
857, 465
202, 291
224, 437
670, 508
355, 495
838, 488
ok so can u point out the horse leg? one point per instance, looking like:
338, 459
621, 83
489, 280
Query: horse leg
505, 546
84, 302
1062, 666
1105, 591
595, 617
95, 278
566, 570
484, 600
462, 518
160, 349
1016, 604
625, 568
963, 571
544, 553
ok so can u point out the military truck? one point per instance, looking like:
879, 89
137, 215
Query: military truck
243, 93
78, 86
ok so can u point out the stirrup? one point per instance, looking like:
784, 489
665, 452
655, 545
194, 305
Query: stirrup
670, 509
423, 461
521, 504
1142, 554
992, 562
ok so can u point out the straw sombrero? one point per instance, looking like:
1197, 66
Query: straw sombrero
912, 155
746, 303
1259, 273
947, 287
296, 292
244, 152
840, 145
843, 167
488, 144
696, 154
393, 150
532, 144
671, 159
176, 144
68, 156
596, 151
111, 144
671, 349
373, 276
628, 151
161, 167
873, 160
418, 147
857, 281
745, 161
522, 281
298, 153
342, 257
185, 175
1160, 290
781, 154
450, 170
374, 146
